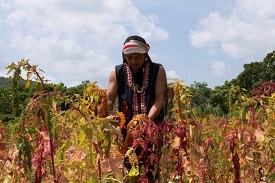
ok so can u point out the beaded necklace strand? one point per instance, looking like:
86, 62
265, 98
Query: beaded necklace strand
135, 91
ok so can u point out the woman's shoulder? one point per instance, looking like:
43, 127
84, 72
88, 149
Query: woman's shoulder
155, 64
119, 67
119, 70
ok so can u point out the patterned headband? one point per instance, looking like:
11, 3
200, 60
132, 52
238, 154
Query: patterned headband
135, 46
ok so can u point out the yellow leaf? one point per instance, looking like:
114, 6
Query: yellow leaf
248, 158
271, 131
54, 104
134, 171
27, 84
114, 129
259, 134
176, 142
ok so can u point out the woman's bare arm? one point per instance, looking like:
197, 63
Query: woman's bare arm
160, 94
112, 90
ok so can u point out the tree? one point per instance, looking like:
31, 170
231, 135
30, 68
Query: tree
269, 67
5, 104
200, 93
219, 98
79, 88
200, 98
4, 82
255, 73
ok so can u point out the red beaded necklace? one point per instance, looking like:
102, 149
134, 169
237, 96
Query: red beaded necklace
136, 91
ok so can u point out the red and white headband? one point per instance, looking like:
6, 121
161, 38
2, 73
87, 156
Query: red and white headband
135, 46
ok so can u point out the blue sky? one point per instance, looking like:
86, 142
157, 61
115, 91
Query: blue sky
78, 40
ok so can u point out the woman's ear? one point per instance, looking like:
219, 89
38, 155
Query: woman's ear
146, 56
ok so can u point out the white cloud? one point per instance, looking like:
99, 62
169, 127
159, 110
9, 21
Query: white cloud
220, 69
247, 33
154, 56
171, 74
71, 40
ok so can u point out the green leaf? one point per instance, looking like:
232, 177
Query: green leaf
38, 87
134, 171
31, 130
10, 67
88, 132
271, 178
92, 180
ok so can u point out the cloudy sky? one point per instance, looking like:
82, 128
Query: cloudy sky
78, 40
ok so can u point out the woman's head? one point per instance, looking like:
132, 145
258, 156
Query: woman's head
135, 47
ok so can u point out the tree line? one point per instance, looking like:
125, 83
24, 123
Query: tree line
204, 100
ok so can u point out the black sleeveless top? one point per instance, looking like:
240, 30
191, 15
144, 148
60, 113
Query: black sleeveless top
127, 95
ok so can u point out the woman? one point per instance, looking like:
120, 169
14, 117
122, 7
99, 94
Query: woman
139, 83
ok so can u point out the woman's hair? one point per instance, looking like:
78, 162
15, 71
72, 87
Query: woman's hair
138, 38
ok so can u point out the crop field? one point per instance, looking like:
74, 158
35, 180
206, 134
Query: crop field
82, 143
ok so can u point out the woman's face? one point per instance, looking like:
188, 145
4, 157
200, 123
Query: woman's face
135, 60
